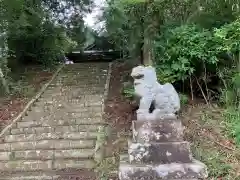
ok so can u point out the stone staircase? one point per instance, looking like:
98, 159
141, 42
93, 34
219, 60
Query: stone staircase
61, 128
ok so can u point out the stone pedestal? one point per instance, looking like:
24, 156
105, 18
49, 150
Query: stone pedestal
157, 151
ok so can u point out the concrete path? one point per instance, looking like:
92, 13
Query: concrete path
61, 129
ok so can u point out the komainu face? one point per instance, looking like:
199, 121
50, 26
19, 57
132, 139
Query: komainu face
144, 77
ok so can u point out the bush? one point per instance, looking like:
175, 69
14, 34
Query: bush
189, 52
184, 51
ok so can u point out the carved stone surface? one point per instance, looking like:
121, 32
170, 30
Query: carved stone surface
160, 153
164, 98
173, 171
157, 131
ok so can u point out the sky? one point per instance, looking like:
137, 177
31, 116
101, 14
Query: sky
91, 19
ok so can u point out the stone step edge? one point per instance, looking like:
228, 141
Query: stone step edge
114, 174
47, 149
51, 129
46, 165
70, 124
199, 168
48, 159
49, 154
40, 177
43, 125
50, 136
28, 175
32, 101
130, 141
9, 148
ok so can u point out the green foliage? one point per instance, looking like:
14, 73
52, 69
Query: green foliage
228, 42
228, 39
128, 92
34, 31
183, 99
191, 52
232, 120
41, 31
184, 50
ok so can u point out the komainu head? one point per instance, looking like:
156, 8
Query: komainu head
144, 75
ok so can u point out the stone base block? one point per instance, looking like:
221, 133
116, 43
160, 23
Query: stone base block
160, 153
157, 131
173, 171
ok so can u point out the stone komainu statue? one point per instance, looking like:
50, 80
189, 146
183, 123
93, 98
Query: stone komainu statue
164, 98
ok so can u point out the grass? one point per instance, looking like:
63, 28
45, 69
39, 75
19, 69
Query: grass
217, 162
232, 122
210, 130
26, 81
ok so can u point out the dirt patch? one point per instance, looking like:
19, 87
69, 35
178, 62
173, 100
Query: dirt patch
119, 110
25, 84
119, 113
206, 130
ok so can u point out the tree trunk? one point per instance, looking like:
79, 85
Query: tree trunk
147, 58
141, 53
4, 82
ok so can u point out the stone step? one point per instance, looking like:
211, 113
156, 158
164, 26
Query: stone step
160, 153
47, 154
60, 122
170, 130
81, 90
74, 153
124, 157
30, 176
64, 98
23, 165
91, 109
80, 83
74, 163
60, 114
37, 175
46, 129
49, 136
48, 165
58, 103
70, 94
48, 145
66, 103
172, 171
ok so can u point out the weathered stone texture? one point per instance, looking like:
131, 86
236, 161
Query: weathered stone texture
75, 153
172, 171
160, 153
79, 164
157, 131
23, 165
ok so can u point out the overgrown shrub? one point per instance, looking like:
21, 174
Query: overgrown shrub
199, 57
183, 52
228, 38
